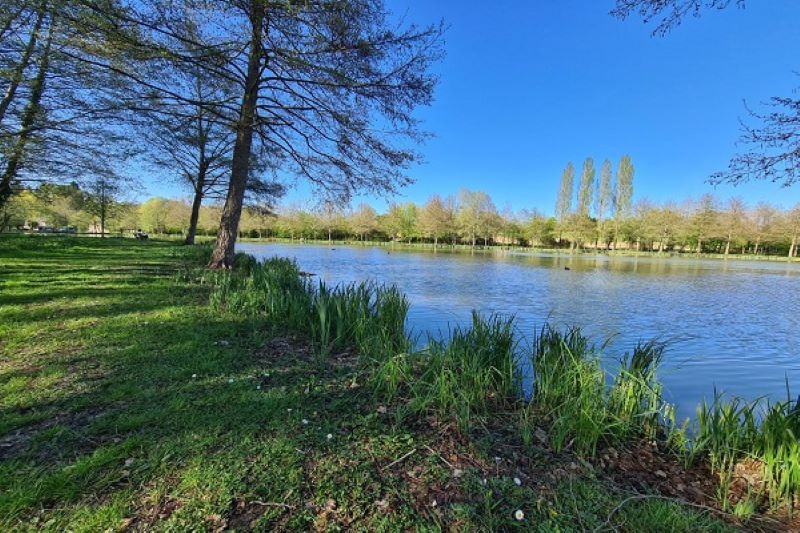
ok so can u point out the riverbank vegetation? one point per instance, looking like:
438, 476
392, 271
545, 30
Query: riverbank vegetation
142, 392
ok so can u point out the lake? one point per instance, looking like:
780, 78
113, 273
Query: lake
728, 324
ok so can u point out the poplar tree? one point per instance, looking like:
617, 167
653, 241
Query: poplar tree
564, 200
623, 194
604, 198
586, 187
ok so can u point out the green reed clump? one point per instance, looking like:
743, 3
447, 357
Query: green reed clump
368, 317
636, 395
470, 375
730, 432
273, 289
570, 389
364, 316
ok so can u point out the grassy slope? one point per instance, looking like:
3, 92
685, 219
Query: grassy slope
103, 426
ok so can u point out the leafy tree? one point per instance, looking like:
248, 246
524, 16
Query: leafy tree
364, 221
401, 221
100, 200
733, 222
476, 216
437, 219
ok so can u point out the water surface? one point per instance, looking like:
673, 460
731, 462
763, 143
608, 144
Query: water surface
729, 324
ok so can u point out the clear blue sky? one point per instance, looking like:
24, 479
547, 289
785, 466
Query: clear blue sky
528, 86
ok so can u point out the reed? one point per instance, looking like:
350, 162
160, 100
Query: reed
570, 390
470, 376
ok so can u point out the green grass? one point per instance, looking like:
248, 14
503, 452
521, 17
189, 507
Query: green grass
128, 401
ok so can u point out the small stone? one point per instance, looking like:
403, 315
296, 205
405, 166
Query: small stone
128, 462
661, 474
517, 482
458, 473
382, 409
681, 487
382, 504
540, 435
434, 504
519, 516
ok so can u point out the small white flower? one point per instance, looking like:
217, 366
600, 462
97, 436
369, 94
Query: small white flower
484, 482
194, 376
304, 421
434, 503
289, 410
329, 436
519, 515
517, 482
258, 387
230, 380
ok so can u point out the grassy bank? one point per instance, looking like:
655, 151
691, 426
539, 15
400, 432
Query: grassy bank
141, 393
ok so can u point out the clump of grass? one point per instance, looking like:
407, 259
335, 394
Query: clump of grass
273, 289
471, 375
732, 432
570, 390
367, 317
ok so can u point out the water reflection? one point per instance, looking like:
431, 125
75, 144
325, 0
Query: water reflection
730, 324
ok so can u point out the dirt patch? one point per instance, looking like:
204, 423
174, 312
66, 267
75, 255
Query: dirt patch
18, 443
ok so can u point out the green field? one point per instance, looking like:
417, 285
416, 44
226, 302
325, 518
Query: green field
128, 403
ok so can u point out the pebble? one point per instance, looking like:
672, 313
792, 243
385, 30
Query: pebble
517, 482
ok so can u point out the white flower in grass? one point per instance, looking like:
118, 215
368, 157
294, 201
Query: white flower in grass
230, 380
517, 482
304, 421
329, 436
519, 515
194, 376
258, 387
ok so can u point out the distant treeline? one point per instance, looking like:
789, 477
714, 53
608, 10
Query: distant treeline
470, 218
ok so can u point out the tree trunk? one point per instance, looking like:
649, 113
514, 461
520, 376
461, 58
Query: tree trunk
24, 61
195, 216
728, 245
28, 118
793, 246
758, 242
435, 242
224, 253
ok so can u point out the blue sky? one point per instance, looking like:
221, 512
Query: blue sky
528, 86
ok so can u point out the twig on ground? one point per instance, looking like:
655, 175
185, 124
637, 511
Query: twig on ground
437, 454
403, 458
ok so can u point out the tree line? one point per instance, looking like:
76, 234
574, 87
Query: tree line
470, 218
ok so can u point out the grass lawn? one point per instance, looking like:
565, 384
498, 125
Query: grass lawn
126, 403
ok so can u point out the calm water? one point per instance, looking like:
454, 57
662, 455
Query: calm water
730, 324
